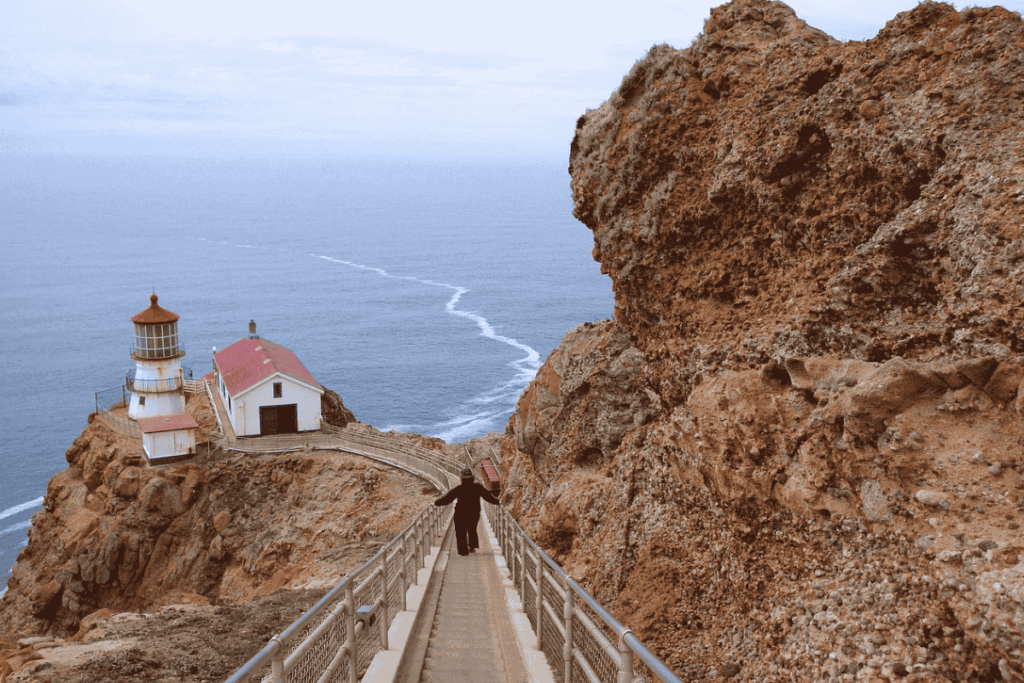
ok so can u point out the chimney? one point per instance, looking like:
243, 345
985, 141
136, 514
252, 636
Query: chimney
252, 330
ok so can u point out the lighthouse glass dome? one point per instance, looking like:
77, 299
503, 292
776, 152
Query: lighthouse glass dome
156, 333
156, 341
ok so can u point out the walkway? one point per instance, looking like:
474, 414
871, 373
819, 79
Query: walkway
222, 412
472, 639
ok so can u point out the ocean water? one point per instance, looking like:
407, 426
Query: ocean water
425, 294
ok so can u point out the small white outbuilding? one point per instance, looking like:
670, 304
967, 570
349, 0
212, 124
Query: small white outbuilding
168, 438
266, 389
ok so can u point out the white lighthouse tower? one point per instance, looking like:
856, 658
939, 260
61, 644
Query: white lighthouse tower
157, 385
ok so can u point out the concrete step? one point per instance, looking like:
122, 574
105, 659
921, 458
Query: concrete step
462, 663
465, 676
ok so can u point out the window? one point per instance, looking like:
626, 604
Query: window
277, 390
142, 401
156, 341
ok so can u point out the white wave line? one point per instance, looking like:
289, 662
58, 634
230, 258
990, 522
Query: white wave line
21, 508
16, 527
486, 329
509, 391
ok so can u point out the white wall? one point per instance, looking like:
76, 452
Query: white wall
164, 444
157, 403
247, 405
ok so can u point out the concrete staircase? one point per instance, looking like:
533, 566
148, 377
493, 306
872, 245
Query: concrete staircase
472, 639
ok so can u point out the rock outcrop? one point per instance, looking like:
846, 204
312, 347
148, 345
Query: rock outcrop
333, 411
795, 453
221, 529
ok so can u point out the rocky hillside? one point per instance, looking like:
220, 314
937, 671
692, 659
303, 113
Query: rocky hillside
220, 535
795, 453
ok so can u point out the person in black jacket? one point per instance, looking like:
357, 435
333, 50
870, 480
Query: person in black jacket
467, 510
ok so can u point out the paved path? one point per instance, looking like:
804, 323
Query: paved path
472, 639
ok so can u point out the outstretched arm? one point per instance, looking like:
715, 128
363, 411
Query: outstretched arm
488, 496
446, 498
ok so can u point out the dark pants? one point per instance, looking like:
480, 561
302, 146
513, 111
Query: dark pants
465, 533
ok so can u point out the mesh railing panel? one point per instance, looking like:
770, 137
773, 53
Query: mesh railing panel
584, 641
396, 589
552, 639
530, 594
320, 654
551, 645
369, 645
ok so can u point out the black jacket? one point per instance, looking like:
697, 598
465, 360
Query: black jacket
468, 495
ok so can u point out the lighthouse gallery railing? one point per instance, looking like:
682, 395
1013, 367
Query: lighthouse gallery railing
337, 639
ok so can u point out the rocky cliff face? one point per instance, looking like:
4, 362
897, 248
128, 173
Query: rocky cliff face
183, 572
794, 454
219, 530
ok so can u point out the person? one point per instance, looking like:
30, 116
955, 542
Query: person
467, 510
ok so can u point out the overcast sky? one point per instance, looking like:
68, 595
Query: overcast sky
442, 79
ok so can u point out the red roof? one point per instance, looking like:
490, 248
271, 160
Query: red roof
154, 314
489, 470
248, 362
166, 423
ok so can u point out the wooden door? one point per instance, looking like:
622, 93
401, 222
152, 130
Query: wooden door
288, 418
279, 419
268, 420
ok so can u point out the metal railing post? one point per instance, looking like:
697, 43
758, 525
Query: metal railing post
386, 606
508, 548
522, 569
540, 600
350, 629
403, 574
567, 648
277, 663
421, 556
626, 659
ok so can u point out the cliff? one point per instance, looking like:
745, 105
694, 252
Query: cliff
794, 454
184, 571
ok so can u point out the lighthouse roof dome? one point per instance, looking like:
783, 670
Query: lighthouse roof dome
155, 314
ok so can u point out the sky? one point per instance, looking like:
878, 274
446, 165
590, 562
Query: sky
447, 79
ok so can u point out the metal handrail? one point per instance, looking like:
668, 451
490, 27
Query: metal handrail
337, 631
610, 640
154, 385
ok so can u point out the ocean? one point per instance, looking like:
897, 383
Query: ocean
426, 294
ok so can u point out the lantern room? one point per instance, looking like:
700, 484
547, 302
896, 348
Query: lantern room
156, 333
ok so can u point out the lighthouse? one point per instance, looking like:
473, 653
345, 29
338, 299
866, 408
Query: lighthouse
157, 385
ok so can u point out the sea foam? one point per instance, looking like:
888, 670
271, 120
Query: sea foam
21, 508
16, 527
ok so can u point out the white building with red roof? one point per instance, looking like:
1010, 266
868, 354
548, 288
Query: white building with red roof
266, 388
